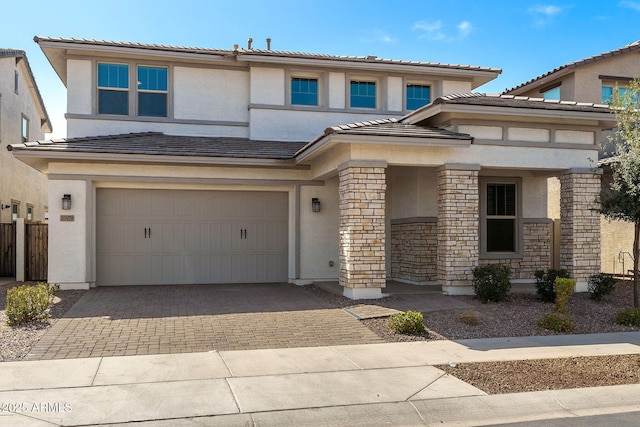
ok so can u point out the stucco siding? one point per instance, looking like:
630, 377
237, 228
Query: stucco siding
79, 87
616, 246
19, 182
587, 78
205, 94
267, 86
452, 86
319, 238
98, 126
292, 125
395, 93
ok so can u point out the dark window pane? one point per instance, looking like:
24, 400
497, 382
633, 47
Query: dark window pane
501, 199
304, 91
501, 235
113, 102
363, 94
152, 78
418, 96
152, 104
113, 75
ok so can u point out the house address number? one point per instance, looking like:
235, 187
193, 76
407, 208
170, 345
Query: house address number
67, 218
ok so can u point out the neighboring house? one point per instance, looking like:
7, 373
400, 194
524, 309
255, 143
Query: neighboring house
594, 80
189, 165
23, 117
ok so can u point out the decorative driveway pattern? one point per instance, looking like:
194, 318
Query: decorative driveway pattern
135, 320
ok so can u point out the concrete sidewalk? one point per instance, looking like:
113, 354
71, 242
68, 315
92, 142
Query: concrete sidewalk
372, 384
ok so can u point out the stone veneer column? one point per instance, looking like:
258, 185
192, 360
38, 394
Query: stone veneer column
362, 189
458, 219
580, 225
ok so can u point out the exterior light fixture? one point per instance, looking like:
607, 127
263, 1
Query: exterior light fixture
66, 202
315, 204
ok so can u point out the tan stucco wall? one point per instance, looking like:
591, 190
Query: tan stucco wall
18, 182
616, 246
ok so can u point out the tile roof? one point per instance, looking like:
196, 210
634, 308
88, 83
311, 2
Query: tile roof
391, 127
628, 48
262, 52
156, 143
16, 53
492, 100
387, 127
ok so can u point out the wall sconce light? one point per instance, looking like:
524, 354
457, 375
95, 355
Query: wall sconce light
66, 202
315, 204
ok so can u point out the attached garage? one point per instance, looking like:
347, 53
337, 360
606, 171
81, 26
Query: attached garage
190, 237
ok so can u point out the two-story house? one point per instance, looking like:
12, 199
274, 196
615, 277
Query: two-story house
594, 80
23, 117
193, 165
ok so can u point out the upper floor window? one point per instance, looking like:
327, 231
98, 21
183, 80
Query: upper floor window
363, 94
14, 211
113, 89
25, 129
553, 94
418, 96
152, 91
304, 91
501, 217
16, 80
608, 91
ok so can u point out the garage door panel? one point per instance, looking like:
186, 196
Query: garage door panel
195, 237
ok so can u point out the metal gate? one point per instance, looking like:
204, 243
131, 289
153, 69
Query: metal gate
36, 250
8, 249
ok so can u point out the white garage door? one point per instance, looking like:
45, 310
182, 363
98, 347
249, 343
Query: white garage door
184, 237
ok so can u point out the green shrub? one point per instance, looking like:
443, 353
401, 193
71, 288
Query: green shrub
545, 279
629, 317
409, 322
563, 289
492, 282
469, 318
600, 285
556, 322
27, 303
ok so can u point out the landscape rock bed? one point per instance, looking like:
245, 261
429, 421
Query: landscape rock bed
17, 341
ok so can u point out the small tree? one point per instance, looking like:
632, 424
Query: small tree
621, 201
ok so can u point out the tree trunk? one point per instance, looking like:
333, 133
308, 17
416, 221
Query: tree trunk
636, 258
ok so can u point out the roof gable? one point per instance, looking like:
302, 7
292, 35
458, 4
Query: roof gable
566, 68
21, 54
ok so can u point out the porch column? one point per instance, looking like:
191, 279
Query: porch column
580, 225
458, 220
362, 188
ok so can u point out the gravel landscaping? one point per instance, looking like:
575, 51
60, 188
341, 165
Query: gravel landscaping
17, 341
518, 316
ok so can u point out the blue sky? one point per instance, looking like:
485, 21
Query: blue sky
524, 38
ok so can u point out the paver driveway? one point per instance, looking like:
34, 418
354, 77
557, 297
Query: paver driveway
133, 320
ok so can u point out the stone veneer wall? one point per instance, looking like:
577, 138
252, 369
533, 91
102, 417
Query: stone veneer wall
536, 235
362, 227
580, 225
414, 247
458, 213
